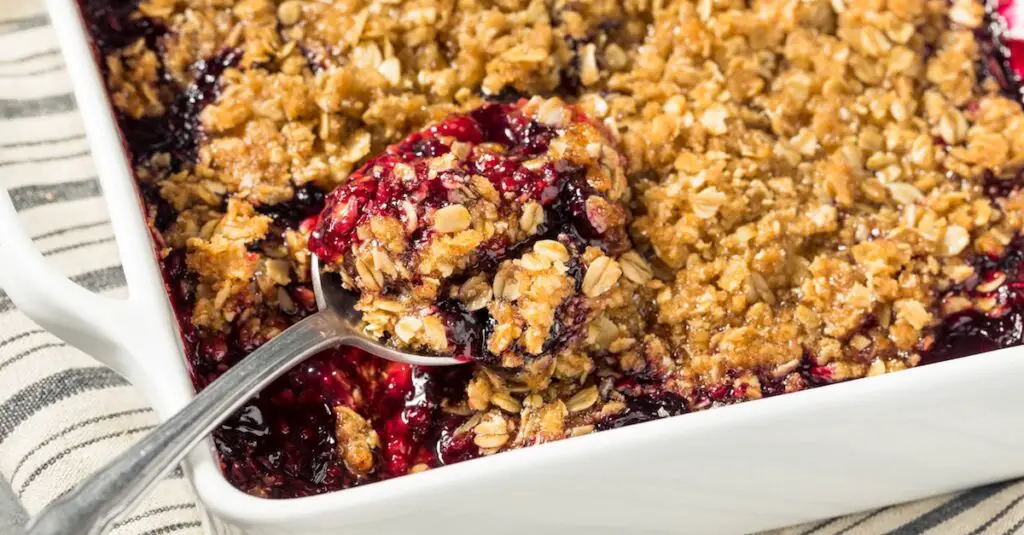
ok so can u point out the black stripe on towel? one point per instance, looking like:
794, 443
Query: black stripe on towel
869, 516
52, 389
27, 352
79, 245
72, 228
960, 503
171, 528
32, 195
995, 518
821, 525
16, 109
71, 449
29, 57
21, 335
45, 159
75, 426
15, 25
38, 142
1015, 527
99, 280
158, 510
37, 72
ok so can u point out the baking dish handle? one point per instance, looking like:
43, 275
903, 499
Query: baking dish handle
98, 325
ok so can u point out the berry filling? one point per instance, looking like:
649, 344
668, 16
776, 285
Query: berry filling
987, 313
407, 182
287, 442
1011, 14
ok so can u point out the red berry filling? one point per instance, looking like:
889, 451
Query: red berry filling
377, 190
1002, 45
283, 443
1012, 14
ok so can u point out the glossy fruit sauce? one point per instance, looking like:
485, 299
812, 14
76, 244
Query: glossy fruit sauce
560, 187
282, 443
375, 190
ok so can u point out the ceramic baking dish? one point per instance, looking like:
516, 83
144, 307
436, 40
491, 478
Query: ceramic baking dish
753, 466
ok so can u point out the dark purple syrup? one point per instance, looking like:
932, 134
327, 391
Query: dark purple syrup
645, 401
112, 25
177, 131
973, 332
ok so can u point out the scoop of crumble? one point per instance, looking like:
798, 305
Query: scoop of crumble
491, 235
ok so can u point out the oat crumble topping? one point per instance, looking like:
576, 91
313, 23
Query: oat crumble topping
785, 193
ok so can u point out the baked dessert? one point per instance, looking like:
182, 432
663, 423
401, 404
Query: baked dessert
494, 235
797, 193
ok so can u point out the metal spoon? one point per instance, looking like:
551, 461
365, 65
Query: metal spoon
92, 505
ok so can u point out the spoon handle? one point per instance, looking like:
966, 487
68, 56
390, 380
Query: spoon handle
91, 506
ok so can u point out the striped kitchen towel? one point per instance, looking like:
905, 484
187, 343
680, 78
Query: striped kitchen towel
62, 415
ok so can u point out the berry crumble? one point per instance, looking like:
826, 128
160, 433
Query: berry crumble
617, 210
486, 235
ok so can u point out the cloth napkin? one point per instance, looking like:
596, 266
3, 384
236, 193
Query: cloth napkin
63, 415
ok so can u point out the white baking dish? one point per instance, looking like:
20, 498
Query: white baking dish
748, 467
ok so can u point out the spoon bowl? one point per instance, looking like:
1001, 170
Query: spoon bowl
333, 298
